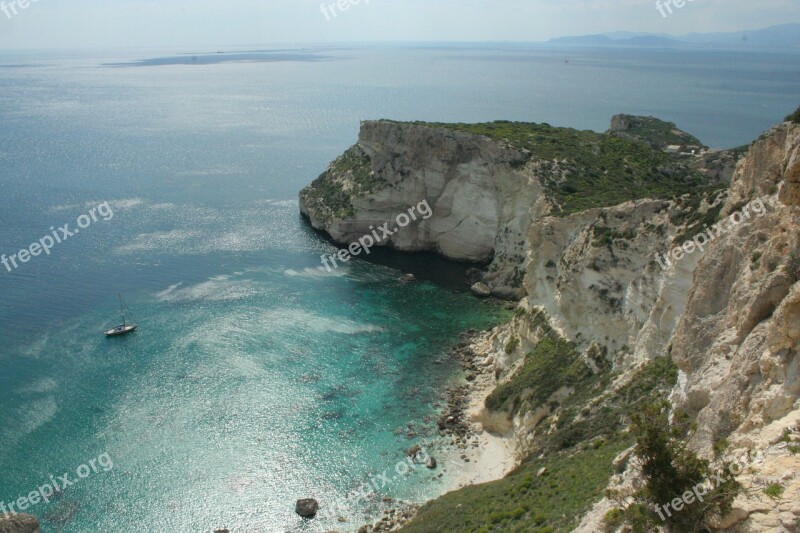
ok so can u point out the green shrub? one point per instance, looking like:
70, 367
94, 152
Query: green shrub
614, 518
720, 446
327, 195
794, 117
774, 490
552, 364
605, 236
670, 469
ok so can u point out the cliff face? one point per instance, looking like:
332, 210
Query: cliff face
725, 308
484, 189
737, 339
596, 275
728, 315
734, 332
481, 194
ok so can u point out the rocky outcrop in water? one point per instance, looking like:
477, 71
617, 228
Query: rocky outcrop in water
19, 523
307, 507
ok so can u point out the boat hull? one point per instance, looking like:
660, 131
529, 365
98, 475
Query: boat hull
121, 330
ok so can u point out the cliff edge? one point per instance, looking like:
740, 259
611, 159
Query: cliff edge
486, 183
642, 276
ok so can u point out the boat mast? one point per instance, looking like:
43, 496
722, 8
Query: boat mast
121, 310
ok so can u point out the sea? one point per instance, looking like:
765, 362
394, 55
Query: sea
170, 177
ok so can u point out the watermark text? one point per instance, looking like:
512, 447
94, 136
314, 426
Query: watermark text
377, 235
44, 492
57, 236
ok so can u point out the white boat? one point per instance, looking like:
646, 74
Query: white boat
124, 328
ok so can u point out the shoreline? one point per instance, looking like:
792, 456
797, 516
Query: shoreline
488, 456
473, 454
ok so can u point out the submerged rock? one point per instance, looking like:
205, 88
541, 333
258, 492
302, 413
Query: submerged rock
63, 513
407, 278
19, 523
307, 507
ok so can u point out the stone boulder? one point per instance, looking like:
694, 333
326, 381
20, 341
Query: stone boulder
481, 290
307, 507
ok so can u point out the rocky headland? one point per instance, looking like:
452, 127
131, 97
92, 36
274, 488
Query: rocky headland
575, 227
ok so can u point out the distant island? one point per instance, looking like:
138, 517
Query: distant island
781, 37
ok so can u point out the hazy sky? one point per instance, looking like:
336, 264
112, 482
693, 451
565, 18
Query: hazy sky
111, 23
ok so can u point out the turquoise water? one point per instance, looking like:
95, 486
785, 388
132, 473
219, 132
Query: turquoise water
256, 379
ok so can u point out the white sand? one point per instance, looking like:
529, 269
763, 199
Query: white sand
494, 456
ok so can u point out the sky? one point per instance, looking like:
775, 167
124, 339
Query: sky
193, 23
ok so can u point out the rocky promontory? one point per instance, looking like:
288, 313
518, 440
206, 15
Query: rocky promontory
485, 184
647, 270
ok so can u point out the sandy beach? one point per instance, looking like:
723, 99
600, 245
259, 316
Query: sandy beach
481, 456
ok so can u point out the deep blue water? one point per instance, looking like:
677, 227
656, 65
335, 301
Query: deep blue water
255, 378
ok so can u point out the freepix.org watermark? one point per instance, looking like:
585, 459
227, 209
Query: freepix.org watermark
46, 243
10, 8
418, 459
371, 239
666, 7
331, 11
701, 489
44, 492
700, 240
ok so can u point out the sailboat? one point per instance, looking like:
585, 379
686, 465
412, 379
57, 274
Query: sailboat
124, 328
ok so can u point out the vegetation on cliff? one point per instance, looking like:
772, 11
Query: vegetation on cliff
695, 212
584, 169
670, 471
794, 117
567, 467
656, 132
578, 169
349, 176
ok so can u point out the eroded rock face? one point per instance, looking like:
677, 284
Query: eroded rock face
19, 523
480, 192
729, 315
737, 342
597, 276
736, 338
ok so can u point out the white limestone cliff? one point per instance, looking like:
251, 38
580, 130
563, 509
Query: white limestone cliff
481, 194
728, 315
